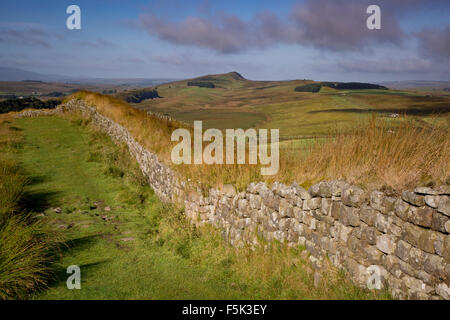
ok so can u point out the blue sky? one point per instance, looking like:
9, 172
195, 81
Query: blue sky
264, 40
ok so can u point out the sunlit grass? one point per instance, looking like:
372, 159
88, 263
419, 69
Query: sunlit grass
168, 257
370, 151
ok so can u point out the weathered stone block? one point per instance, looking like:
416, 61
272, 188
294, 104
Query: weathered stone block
419, 237
368, 215
402, 250
444, 205
336, 187
335, 209
369, 234
325, 207
434, 265
439, 222
301, 192
349, 216
422, 216
439, 244
432, 201
272, 201
229, 190
374, 255
344, 232
285, 224
379, 201
285, 209
413, 198
254, 201
416, 258
425, 191
357, 271
401, 209
314, 190
324, 189
242, 204
292, 236
386, 243
353, 196
323, 228
312, 204
443, 290
414, 284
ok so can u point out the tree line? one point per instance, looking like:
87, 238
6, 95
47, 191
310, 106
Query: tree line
27, 103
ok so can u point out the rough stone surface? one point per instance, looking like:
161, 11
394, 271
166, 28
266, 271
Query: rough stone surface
413, 198
444, 205
353, 196
432, 201
386, 243
407, 237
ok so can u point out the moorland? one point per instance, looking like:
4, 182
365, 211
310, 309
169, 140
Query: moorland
72, 196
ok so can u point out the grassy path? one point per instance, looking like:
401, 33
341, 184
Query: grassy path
129, 245
116, 256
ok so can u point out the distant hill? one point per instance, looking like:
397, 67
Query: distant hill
418, 84
223, 80
14, 74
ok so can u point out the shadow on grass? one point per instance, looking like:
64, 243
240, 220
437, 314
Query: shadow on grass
59, 274
37, 201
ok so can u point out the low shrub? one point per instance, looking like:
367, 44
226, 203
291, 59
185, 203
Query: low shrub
136, 96
27, 103
201, 84
312, 87
352, 86
25, 255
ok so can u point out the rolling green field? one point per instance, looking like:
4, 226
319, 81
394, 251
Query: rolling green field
128, 244
131, 246
236, 102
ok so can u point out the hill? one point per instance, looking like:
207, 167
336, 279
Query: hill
14, 74
418, 84
238, 102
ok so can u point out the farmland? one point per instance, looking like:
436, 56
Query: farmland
235, 102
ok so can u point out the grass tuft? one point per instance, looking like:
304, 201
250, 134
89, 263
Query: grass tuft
25, 243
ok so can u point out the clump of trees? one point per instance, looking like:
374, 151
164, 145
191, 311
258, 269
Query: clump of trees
109, 91
55, 94
312, 87
8, 96
202, 84
137, 96
352, 85
315, 87
26, 103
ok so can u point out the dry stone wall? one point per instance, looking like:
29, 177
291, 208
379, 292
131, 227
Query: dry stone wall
406, 237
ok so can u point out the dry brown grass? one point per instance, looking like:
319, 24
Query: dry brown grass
380, 154
155, 133
373, 154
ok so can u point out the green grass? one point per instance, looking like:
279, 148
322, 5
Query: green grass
275, 104
221, 119
166, 257
26, 245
